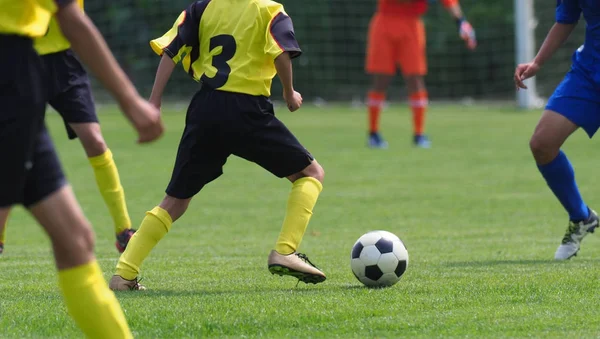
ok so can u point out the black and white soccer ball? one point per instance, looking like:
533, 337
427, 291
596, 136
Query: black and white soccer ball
379, 259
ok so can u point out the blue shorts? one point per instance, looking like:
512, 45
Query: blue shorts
577, 98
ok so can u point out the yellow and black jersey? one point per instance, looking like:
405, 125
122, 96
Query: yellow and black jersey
27, 17
54, 41
230, 45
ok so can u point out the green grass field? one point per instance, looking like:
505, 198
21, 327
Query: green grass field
479, 223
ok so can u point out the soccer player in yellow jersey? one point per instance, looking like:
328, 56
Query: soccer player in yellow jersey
70, 94
30, 173
234, 48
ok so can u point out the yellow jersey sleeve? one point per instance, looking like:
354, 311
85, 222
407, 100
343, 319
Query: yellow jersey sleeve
280, 36
171, 43
54, 41
183, 37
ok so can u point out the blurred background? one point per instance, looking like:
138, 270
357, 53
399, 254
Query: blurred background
332, 35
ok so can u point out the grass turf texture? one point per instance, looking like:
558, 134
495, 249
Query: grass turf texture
480, 225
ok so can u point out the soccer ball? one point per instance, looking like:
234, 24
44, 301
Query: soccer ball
379, 259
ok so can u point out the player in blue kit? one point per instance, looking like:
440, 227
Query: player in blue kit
574, 104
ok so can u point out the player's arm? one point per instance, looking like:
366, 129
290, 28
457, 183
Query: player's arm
283, 47
567, 16
90, 46
163, 74
558, 34
179, 40
283, 65
465, 30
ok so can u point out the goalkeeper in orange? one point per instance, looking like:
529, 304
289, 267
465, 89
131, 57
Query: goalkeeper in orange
396, 40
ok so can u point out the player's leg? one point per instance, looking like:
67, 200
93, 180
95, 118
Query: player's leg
107, 179
71, 96
413, 63
375, 103
418, 100
3, 220
200, 159
89, 301
381, 66
569, 108
155, 225
269, 143
551, 132
285, 260
306, 187
3, 223
31, 175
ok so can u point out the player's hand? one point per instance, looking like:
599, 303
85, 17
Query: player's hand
467, 33
523, 72
293, 100
145, 118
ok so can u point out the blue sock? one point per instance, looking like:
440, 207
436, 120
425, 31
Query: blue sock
560, 177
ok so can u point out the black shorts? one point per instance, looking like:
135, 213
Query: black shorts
69, 89
29, 167
219, 124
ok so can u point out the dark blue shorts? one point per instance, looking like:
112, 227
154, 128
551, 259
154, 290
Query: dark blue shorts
69, 89
577, 98
219, 124
29, 167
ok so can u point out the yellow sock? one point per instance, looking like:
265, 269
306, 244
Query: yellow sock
3, 232
89, 301
109, 184
154, 226
301, 201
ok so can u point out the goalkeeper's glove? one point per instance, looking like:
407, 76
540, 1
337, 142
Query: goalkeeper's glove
467, 33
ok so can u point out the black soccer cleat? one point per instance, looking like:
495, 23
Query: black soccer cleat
123, 239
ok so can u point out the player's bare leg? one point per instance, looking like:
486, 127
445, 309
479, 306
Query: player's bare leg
107, 179
85, 291
154, 227
418, 100
90, 136
550, 134
375, 102
70, 232
552, 131
284, 260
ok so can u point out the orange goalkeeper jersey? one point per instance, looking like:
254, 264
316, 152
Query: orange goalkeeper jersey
408, 7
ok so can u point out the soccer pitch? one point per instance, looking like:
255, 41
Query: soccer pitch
480, 225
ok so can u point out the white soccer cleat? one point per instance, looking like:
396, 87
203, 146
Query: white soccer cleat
118, 283
574, 235
296, 265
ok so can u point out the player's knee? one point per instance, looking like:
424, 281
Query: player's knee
381, 82
75, 249
542, 149
95, 145
415, 83
83, 238
86, 239
315, 170
91, 138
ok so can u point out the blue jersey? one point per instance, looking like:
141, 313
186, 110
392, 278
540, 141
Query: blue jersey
569, 12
